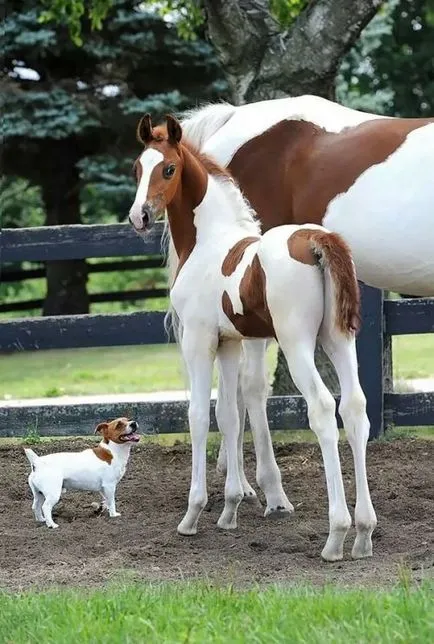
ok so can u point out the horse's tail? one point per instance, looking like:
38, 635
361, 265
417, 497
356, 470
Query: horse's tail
342, 293
201, 123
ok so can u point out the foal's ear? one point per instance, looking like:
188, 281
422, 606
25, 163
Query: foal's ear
174, 129
144, 130
99, 429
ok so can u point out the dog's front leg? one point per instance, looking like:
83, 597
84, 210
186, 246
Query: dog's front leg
109, 500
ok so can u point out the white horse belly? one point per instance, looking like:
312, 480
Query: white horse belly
387, 218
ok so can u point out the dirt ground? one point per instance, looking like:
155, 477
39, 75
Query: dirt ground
143, 544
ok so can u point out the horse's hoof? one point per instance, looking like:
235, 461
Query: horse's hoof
278, 512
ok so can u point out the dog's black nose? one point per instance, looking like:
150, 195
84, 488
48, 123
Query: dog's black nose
133, 425
146, 214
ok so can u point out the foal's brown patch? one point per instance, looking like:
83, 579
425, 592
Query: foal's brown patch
235, 255
309, 246
103, 453
300, 248
255, 321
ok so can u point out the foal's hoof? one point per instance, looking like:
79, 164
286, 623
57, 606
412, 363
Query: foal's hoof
186, 530
362, 547
251, 499
331, 555
278, 513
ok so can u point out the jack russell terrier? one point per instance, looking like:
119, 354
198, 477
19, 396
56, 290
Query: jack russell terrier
98, 469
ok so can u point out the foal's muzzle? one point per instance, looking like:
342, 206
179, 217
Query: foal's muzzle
142, 220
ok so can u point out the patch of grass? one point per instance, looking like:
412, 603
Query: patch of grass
199, 613
148, 368
32, 436
413, 356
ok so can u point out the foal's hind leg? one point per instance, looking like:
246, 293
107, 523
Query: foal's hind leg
299, 353
352, 409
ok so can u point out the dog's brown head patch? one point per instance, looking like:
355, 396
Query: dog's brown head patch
120, 430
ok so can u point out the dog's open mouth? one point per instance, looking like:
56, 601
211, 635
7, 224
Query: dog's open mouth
130, 438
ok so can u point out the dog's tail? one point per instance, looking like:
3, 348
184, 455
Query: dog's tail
32, 457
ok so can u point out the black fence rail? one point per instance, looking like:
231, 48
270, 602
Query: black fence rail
381, 319
11, 275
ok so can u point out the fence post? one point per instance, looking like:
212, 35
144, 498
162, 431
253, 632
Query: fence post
370, 345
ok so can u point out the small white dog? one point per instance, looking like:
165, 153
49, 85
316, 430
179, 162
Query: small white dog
98, 469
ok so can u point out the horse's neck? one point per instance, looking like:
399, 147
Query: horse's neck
191, 191
206, 206
223, 210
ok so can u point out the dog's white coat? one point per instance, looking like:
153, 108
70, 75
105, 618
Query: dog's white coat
83, 470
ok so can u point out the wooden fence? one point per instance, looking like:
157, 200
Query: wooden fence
13, 276
381, 320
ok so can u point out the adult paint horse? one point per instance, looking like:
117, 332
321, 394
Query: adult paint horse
306, 159
294, 283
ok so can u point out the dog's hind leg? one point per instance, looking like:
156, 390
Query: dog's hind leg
38, 499
51, 498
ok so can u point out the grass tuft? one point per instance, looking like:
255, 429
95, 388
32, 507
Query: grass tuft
197, 613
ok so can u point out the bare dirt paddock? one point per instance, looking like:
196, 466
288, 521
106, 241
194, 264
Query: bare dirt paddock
143, 544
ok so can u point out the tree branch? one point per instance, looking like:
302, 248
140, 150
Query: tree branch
262, 62
240, 31
310, 52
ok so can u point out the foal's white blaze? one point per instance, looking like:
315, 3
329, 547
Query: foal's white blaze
148, 160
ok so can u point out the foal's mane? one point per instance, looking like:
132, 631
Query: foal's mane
210, 164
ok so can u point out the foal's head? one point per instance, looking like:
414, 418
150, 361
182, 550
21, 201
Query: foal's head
158, 171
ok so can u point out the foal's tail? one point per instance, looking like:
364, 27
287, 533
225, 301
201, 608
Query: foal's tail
342, 293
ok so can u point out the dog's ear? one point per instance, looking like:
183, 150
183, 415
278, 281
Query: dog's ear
99, 429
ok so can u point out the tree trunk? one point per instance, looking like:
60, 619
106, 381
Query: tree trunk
263, 62
66, 279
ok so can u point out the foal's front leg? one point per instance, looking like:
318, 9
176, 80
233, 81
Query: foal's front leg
198, 349
228, 355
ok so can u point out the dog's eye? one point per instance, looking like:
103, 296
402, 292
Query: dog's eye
169, 170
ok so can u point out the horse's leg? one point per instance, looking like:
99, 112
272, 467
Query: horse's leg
254, 383
228, 356
299, 349
352, 409
198, 349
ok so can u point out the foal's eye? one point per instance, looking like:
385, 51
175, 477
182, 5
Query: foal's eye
169, 171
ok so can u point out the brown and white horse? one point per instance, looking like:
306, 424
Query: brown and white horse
294, 283
309, 160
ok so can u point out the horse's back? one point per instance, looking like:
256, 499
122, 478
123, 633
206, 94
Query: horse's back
387, 217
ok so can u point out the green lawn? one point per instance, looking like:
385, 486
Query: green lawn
200, 614
147, 368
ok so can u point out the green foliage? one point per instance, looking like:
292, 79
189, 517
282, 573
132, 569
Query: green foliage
71, 12
185, 14
286, 11
391, 68
20, 203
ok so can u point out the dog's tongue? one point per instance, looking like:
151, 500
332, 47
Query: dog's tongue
132, 437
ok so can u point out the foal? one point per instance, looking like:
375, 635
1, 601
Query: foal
292, 283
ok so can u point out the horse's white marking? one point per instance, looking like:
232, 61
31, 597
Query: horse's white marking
148, 160
387, 218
